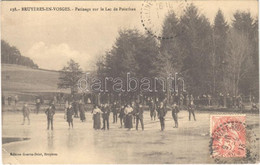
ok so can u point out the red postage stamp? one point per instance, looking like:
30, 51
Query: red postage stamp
228, 134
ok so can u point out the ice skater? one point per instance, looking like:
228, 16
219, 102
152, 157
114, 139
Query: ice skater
38, 105
105, 116
96, 118
152, 108
82, 111
128, 119
191, 109
161, 115
139, 116
121, 116
175, 111
69, 115
50, 111
114, 110
26, 113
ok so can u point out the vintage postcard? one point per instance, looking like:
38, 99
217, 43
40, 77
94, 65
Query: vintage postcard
130, 82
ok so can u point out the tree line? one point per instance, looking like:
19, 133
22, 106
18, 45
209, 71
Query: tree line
11, 55
212, 58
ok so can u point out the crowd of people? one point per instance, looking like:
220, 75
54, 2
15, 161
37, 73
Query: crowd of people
128, 113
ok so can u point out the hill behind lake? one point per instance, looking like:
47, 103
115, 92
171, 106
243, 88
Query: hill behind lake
16, 79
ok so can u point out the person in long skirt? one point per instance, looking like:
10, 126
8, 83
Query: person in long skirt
82, 111
96, 118
70, 113
129, 114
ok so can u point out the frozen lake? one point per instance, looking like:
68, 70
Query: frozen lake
187, 144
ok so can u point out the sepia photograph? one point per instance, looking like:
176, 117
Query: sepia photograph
130, 82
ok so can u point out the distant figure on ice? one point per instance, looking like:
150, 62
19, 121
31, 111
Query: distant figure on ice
65, 109
105, 115
121, 115
114, 110
26, 113
129, 120
54, 100
175, 111
82, 111
50, 111
191, 108
96, 118
38, 105
139, 116
239, 102
75, 106
16, 99
9, 100
69, 115
152, 108
134, 106
161, 115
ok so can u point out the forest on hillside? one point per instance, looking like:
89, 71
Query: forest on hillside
11, 55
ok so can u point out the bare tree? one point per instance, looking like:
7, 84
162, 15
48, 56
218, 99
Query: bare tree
238, 61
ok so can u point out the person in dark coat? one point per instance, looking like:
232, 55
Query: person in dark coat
96, 118
152, 107
139, 116
121, 115
9, 100
75, 107
26, 113
105, 116
161, 114
70, 113
114, 110
50, 111
175, 111
82, 111
129, 113
191, 110
239, 102
38, 105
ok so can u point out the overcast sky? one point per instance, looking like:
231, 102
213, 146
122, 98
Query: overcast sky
52, 38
